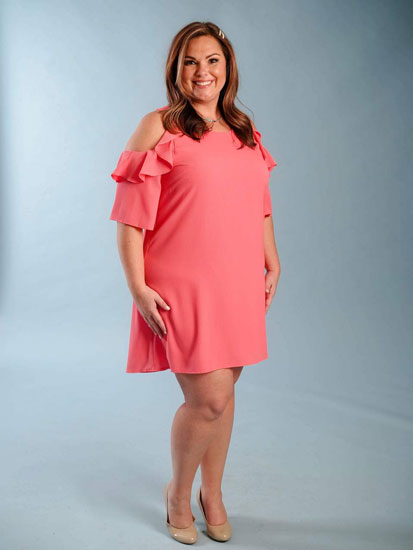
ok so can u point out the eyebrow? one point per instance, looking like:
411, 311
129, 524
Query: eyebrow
206, 56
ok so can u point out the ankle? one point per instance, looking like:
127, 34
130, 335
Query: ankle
177, 495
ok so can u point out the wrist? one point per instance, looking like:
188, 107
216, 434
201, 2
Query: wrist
137, 289
272, 265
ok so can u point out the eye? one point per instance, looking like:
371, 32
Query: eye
188, 61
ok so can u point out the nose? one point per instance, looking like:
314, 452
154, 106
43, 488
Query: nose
202, 69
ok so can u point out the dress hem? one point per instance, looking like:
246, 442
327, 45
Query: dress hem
160, 369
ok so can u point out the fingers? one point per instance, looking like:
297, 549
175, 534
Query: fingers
269, 294
147, 306
161, 302
152, 325
160, 325
155, 325
154, 319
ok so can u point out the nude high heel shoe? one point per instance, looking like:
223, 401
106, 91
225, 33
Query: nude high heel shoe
221, 532
187, 535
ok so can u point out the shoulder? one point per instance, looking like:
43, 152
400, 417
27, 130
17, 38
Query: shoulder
147, 133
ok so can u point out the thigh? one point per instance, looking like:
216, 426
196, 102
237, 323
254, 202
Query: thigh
202, 389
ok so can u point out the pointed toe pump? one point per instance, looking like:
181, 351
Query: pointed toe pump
186, 535
220, 532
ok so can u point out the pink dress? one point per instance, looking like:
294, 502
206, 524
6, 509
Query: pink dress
202, 206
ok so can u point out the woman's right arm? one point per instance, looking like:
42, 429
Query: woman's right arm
130, 238
130, 247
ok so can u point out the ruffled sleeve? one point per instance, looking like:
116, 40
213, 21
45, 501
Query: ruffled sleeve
138, 176
270, 163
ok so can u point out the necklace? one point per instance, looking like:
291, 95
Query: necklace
209, 119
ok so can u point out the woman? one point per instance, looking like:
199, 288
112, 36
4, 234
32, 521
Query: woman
195, 176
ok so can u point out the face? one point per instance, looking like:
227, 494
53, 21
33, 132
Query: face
204, 62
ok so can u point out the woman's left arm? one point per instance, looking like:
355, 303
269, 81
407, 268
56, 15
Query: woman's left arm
272, 261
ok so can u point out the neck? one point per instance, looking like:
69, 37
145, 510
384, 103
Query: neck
207, 111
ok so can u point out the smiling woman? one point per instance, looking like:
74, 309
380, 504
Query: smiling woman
204, 74
198, 81
195, 176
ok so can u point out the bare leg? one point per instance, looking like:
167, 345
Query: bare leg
193, 428
213, 463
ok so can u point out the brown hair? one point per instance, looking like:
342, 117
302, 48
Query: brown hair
180, 115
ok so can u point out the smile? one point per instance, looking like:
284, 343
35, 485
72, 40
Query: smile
202, 84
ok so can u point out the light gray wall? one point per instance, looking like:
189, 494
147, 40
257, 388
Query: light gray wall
323, 430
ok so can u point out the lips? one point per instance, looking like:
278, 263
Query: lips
203, 83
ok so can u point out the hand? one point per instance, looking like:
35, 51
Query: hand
146, 302
271, 279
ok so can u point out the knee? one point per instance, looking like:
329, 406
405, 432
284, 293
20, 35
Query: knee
214, 407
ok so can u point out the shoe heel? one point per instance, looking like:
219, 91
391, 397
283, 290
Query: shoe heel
222, 532
186, 535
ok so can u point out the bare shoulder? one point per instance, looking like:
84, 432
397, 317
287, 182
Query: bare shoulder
147, 133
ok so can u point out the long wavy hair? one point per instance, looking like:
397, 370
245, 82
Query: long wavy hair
180, 114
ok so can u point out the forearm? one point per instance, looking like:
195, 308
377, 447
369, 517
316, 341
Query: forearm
130, 247
272, 262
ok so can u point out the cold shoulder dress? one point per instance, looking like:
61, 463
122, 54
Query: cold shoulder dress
202, 206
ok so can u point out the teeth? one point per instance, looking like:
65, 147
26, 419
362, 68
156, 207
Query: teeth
203, 83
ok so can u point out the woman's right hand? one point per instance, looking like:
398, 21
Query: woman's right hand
146, 302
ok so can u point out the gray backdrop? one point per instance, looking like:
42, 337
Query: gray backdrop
322, 444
